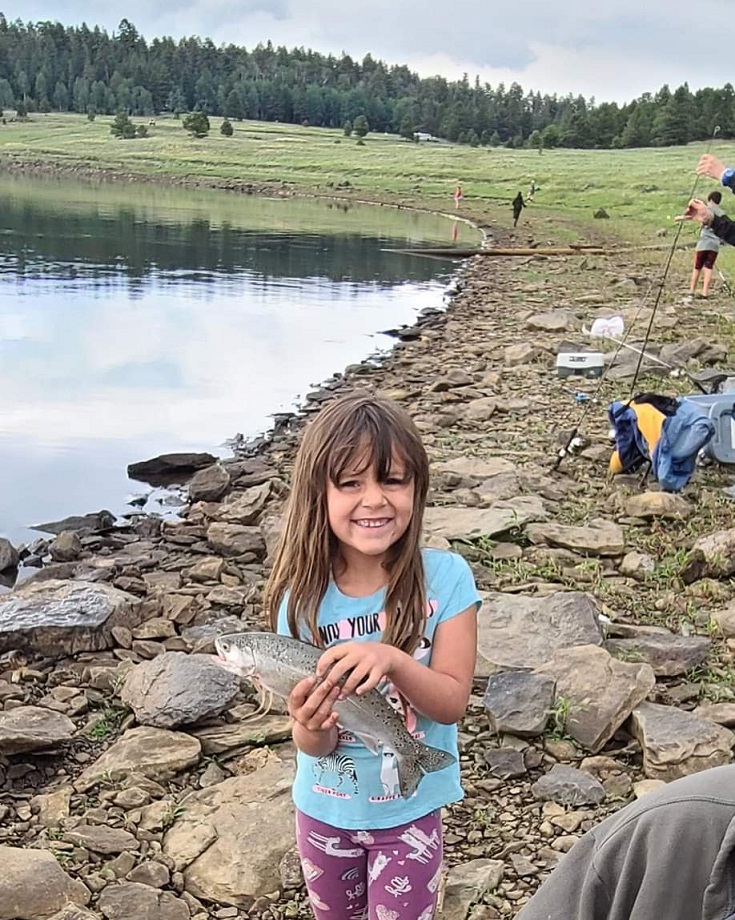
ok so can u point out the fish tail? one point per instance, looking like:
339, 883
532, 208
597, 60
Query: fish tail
413, 766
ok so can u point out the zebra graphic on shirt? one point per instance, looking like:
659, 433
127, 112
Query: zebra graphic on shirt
342, 766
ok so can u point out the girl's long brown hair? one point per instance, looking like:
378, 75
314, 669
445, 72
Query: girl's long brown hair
375, 431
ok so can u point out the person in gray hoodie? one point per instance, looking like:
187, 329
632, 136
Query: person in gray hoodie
668, 856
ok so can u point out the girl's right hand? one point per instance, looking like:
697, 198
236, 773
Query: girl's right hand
310, 704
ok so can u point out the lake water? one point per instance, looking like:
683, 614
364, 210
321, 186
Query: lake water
138, 320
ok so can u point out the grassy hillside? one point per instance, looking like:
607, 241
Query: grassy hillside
641, 189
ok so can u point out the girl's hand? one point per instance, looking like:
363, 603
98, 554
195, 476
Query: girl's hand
370, 663
310, 704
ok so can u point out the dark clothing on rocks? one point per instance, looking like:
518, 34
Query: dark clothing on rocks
669, 856
724, 227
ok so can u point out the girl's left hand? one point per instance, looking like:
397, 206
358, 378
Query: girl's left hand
370, 663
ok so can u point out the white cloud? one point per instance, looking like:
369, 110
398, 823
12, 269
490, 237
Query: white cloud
615, 50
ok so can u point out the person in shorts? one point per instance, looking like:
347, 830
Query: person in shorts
708, 246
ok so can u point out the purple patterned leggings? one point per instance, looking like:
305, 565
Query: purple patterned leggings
390, 874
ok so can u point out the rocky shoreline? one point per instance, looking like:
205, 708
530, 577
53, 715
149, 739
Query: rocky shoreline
134, 780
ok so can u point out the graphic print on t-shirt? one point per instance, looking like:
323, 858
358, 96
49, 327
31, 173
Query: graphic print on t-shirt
335, 774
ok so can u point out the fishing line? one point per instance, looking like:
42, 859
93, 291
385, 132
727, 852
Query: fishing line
665, 274
564, 451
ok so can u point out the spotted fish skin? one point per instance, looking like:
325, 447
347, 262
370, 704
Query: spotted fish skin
278, 663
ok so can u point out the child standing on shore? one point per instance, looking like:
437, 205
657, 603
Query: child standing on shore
350, 576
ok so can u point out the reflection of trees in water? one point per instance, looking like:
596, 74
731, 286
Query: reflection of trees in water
93, 246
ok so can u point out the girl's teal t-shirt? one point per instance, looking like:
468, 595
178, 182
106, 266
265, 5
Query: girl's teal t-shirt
352, 788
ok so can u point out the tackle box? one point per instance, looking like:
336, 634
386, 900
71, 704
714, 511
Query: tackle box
720, 407
579, 363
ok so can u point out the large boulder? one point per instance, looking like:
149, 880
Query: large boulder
178, 689
135, 901
599, 691
57, 618
169, 466
524, 632
667, 654
235, 539
33, 728
153, 752
33, 886
677, 743
8, 555
455, 523
519, 702
209, 484
212, 842
598, 538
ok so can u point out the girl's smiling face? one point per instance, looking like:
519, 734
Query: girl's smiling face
368, 516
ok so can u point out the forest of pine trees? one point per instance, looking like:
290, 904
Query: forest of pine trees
47, 67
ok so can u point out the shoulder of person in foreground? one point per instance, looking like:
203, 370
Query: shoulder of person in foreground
670, 855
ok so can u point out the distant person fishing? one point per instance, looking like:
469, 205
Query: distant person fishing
518, 205
721, 225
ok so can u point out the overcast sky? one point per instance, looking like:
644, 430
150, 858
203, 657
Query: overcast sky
613, 50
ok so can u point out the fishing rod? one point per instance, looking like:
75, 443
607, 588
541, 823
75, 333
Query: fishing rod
564, 451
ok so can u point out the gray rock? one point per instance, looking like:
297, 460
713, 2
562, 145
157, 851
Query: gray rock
65, 617
169, 466
668, 655
657, 505
85, 523
600, 692
235, 539
480, 410
8, 555
637, 565
677, 743
101, 839
209, 484
33, 728
151, 873
599, 538
518, 702
473, 470
569, 786
553, 321
223, 739
522, 353
133, 901
152, 752
712, 556
505, 763
33, 886
721, 713
178, 689
244, 507
454, 523
66, 547
212, 841
468, 883
523, 632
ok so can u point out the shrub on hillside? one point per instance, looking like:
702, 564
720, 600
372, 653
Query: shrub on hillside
226, 128
197, 124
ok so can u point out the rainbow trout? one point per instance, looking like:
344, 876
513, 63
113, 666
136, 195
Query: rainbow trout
278, 663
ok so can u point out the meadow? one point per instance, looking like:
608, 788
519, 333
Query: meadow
641, 189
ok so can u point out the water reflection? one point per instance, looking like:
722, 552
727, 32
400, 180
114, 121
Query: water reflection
128, 330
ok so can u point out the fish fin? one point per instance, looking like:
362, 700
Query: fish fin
412, 767
432, 759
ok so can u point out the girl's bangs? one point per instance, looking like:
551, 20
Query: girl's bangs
367, 441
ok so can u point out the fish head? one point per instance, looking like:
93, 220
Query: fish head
236, 654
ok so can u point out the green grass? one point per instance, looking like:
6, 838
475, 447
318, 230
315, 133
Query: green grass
642, 189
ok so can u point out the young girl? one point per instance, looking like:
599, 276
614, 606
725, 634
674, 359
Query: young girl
350, 577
